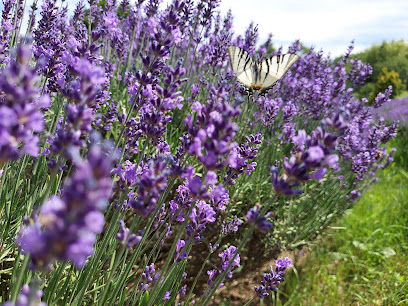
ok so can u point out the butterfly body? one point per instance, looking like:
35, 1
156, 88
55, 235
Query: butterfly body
262, 76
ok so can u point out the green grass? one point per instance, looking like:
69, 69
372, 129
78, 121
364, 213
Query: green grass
364, 260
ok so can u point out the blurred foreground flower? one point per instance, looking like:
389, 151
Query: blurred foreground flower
29, 296
66, 227
20, 104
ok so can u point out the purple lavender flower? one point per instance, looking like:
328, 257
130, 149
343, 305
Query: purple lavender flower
67, 226
199, 188
31, 17
226, 257
6, 28
125, 238
20, 104
231, 226
359, 72
219, 198
272, 279
382, 98
151, 183
49, 44
252, 217
199, 217
246, 153
267, 110
181, 202
177, 255
211, 274
149, 277
211, 135
167, 296
313, 154
128, 174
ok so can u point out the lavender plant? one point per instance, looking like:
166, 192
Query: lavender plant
194, 172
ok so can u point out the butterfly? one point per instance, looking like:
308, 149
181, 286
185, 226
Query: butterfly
259, 77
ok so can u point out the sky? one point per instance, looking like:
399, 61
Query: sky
326, 24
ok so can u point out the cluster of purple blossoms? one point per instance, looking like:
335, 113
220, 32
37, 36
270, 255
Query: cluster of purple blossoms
318, 89
246, 153
370, 152
65, 227
83, 86
127, 239
158, 102
362, 144
181, 202
49, 43
179, 256
212, 133
289, 111
31, 17
219, 198
272, 279
6, 28
248, 42
226, 256
383, 97
20, 105
268, 109
311, 154
149, 277
151, 183
200, 215
128, 174
359, 72
261, 222
214, 52
231, 226
198, 186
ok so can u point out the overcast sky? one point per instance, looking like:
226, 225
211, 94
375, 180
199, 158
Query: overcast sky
326, 24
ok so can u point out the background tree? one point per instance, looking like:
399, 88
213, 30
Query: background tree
385, 79
394, 56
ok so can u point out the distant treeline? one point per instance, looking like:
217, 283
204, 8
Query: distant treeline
389, 62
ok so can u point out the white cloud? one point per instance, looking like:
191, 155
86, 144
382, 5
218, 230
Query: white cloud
325, 24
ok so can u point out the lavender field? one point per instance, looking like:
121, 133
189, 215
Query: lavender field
136, 170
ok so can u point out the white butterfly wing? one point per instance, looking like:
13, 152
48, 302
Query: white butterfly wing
260, 76
273, 69
242, 65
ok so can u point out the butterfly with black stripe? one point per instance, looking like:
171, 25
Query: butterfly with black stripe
260, 77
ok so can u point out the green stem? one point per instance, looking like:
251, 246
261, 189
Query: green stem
250, 301
199, 273
247, 234
17, 285
154, 292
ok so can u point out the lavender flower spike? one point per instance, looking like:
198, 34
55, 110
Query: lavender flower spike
272, 279
20, 104
66, 226
262, 224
